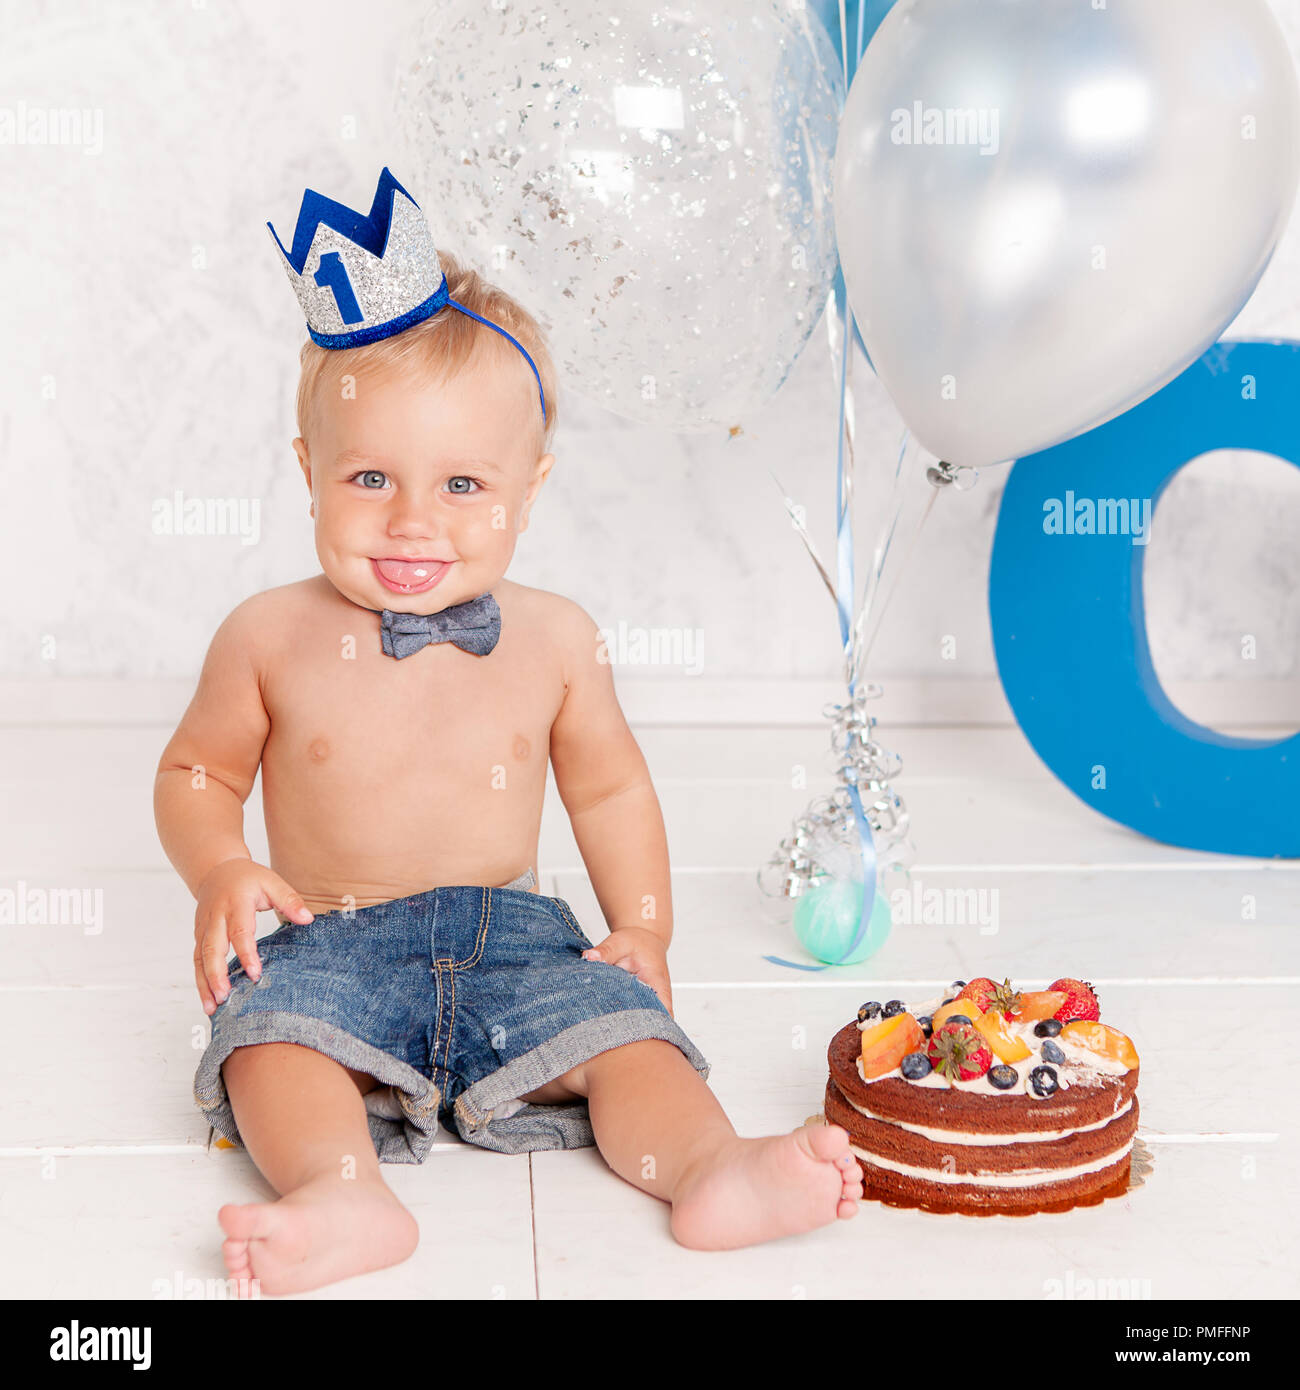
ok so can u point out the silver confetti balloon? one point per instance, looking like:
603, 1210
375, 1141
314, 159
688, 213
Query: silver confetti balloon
1047, 209
653, 181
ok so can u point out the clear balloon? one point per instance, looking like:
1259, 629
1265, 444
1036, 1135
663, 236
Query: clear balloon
653, 181
1046, 211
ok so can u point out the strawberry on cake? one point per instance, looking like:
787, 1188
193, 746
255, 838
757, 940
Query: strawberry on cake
987, 1098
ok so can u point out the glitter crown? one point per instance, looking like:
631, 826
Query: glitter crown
360, 277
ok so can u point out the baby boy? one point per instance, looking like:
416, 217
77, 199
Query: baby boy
403, 706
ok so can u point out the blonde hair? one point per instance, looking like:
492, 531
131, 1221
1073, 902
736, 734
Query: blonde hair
441, 346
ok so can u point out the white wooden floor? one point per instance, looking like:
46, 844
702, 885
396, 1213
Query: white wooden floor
108, 1184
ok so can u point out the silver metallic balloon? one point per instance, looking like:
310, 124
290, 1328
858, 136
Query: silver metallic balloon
1046, 209
652, 180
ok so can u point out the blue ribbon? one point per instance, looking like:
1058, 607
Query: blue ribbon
844, 590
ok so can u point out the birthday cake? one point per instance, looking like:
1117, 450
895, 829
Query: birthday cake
987, 1099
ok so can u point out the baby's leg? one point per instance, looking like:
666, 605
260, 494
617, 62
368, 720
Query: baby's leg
303, 1121
659, 1126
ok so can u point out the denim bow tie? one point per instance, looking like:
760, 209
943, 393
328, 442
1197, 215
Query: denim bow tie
473, 626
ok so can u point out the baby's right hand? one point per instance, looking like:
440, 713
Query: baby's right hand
229, 900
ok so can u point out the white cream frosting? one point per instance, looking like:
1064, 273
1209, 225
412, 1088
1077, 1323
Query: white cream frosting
968, 1138
1026, 1177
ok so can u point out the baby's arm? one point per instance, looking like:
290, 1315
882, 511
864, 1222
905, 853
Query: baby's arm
208, 768
205, 775
605, 785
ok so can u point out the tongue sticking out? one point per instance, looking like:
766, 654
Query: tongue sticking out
410, 572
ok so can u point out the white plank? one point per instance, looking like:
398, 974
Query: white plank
1197, 1228
1033, 925
80, 801
86, 1066
145, 936
109, 1226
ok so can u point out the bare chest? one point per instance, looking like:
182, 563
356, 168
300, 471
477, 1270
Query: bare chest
437, 725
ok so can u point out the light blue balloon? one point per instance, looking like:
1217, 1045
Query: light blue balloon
826, 919
869, 14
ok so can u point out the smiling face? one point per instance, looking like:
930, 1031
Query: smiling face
420, 488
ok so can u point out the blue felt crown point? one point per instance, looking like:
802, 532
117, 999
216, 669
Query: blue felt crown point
369, 232
362, 277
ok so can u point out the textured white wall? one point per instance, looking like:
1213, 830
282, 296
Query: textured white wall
150, 344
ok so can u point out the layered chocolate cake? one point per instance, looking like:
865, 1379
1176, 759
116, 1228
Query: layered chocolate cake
987, 1099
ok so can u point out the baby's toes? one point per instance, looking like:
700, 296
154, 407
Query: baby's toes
236, 1257
829, 1143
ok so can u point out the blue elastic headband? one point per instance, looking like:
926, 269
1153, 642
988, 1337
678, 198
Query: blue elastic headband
372, 275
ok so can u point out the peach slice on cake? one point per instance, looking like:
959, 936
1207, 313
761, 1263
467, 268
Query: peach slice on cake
1038, 1004
958, 1006
1004, 1046
1103, 1040
886, 1044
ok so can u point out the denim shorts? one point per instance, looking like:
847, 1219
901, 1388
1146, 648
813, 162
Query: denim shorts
457, 1000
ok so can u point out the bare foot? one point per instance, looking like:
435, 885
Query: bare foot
751, 1190
322, 1232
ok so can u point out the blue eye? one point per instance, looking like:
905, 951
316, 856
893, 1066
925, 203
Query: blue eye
367, 479
452, 484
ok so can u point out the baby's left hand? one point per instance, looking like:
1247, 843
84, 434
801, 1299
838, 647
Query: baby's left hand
642, 953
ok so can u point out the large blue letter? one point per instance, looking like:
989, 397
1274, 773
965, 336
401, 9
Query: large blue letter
1069, 630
